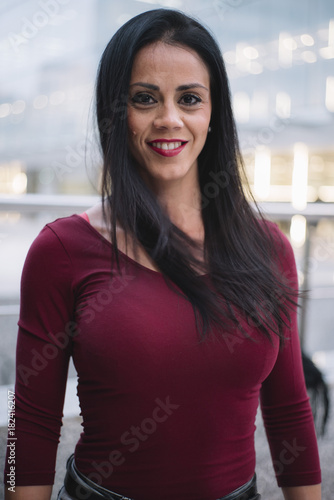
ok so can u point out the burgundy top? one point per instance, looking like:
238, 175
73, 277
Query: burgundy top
164, 416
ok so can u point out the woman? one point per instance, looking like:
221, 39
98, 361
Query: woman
176, 301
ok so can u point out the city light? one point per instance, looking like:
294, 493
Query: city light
13, 180
309, 57
18, 107
285, 48
328, 52
326, 193
19, 183
283, 105
298, 230
307, 40
329, 100
262, 169
300, 176
251, 52
241, 106
5, 109
331, 33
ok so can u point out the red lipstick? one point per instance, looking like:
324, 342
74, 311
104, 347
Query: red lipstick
157, 146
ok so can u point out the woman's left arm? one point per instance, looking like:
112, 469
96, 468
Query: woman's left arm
286, 410
302, 492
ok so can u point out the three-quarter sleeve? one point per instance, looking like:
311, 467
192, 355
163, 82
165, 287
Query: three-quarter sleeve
285, 404
46, 329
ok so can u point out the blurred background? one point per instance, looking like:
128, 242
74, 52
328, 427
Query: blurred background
280, 61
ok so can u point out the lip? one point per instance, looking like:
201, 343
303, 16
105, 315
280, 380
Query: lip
167, 140
168, 152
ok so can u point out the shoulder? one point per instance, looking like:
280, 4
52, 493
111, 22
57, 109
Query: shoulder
55, 242
48, 267
67, 228
48, 277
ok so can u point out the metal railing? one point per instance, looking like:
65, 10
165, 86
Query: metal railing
42, 202
65, 203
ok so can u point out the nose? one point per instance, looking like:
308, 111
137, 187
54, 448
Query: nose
168, 116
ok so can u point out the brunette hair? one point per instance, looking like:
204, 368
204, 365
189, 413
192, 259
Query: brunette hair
238, 248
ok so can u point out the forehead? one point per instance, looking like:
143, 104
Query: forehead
159, 61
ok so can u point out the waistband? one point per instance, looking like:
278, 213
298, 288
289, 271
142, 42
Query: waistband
80, 487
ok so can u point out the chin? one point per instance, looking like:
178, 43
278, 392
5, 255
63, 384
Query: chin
165, 174
169, 177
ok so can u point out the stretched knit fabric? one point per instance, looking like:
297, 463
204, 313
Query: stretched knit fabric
164, 415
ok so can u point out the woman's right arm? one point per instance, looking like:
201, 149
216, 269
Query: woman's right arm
44, 343
29, 493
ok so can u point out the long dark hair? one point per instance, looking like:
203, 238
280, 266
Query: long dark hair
238, 248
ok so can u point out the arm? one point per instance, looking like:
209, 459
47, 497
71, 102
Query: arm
42, 355
285, 405
29, 493
302, 492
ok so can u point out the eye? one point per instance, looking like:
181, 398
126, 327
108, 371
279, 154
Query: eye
190, 99
143, 98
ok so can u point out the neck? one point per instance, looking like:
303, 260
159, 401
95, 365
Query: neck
183, 206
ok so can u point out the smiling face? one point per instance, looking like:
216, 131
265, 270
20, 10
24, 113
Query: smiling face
169, 112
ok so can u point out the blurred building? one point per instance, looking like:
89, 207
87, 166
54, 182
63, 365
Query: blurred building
280, 61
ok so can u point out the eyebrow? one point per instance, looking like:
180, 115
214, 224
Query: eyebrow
181, 87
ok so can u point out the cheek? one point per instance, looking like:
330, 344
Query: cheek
131, 125
202, 126
132, 133
134, 136
137, 122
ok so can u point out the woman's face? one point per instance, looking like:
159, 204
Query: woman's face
169, 112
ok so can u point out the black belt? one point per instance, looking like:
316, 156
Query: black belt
246, 492
81, 487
